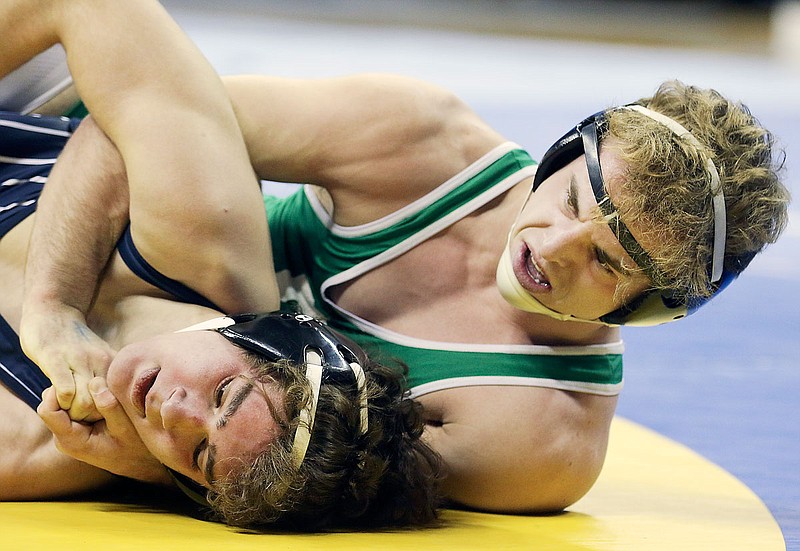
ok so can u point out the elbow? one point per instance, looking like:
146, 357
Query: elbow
539, 485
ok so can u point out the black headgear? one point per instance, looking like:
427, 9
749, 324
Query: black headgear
329, 358
653, 307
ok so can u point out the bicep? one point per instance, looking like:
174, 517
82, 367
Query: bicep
197, 216
526, 449
196, 209
362, 137
175, 128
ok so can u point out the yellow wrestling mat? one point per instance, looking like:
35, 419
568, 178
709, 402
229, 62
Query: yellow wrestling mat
654, 494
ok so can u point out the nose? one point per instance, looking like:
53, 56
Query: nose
568, 243
180, 416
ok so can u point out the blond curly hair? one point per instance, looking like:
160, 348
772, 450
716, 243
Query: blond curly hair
667, 194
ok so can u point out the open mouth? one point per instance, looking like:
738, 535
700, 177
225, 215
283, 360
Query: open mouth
528, 272
141, 387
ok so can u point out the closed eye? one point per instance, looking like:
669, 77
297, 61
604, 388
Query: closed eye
603, 261
611, 265
210, 460
197, 452
219, 398
572, 196
219, 394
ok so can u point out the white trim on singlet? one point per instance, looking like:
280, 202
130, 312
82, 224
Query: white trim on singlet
412, 208
600, 389
325, 217
36, 129
26, 161
23, 385
413, 240
15, 205
14, 181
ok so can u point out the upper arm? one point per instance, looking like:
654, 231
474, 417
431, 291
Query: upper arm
195, 205
526, 449
372, 140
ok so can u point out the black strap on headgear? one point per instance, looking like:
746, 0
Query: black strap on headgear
296, 338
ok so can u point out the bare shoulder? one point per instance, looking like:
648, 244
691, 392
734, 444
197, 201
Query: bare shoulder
416, 136
375, 141
518, 449
422, 119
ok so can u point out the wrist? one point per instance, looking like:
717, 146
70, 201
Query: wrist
43, 301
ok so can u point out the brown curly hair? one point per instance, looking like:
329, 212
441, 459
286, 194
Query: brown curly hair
387, 477
665, 180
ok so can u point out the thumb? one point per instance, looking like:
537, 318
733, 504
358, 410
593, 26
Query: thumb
55, 418
116, 420
104, 400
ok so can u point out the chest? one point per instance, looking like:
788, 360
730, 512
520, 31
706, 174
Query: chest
128, 309
442, 289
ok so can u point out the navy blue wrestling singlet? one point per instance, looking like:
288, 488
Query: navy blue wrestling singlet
29, 146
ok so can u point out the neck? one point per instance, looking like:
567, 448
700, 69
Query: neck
139, 317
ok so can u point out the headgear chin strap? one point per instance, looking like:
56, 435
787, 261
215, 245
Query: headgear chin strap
652, 308
329, 358
516, 295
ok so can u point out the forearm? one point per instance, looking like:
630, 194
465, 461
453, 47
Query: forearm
81, 213
47, 473
31, 467
105, 58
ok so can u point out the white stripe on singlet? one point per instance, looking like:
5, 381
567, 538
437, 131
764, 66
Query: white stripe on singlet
17, 379
14, 181
37, 129
25, 161
15, 205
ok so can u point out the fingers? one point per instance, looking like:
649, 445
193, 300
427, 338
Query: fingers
71, 379
83, 405
55, 418
108, 406
58, 421
111, 444
65, 385
69, 353
101, 396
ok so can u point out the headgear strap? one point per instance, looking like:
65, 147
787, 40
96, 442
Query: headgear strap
314, 374
717, 199
329, 358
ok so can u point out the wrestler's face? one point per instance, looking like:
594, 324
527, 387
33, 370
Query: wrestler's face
191, 397
562, 256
